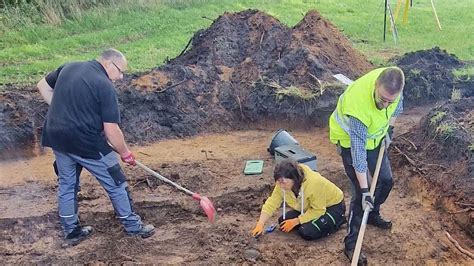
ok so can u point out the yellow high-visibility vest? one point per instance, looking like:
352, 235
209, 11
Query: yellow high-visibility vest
358, 101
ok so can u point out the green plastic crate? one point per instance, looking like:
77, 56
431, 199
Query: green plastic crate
253, 167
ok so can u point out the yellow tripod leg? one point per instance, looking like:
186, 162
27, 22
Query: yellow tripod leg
405, 12
397, 10
436, 15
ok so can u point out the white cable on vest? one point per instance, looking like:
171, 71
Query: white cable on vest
302, 202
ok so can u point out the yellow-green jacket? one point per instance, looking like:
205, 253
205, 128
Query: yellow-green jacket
358, 101
318, 194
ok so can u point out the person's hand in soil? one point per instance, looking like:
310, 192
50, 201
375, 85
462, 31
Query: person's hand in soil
258, 230
128, 158
287, 225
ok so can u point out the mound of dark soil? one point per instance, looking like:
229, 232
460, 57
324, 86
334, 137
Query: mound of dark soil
246, 66
22, 113
465, 86
441, 152
233, 72
452, 126
429, 75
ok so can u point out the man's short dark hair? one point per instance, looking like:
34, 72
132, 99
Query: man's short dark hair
392, 80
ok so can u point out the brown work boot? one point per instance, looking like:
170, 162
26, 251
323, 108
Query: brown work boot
362, 258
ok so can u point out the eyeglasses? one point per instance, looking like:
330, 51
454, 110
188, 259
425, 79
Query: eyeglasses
379, 99
118, 68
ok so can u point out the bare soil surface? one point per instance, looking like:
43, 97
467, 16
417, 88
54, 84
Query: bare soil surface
439, 152
217, 105
30, 232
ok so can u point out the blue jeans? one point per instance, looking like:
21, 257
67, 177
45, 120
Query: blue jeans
109, 174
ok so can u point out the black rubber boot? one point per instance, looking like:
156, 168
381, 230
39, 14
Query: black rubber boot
362, 258
378, 221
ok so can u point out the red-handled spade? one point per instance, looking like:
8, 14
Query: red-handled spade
205, 203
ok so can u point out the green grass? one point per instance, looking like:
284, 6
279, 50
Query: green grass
445, 130
435, 119
293, 91
148, 32
415, 71
465, 72
456, 95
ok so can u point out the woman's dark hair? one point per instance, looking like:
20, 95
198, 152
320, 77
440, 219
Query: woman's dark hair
288, 168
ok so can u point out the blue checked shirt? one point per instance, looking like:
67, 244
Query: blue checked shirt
358, 135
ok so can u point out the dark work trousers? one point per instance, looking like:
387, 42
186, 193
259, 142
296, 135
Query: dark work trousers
382, 190
325, 225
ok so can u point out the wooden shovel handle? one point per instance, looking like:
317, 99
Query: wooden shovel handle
360, 237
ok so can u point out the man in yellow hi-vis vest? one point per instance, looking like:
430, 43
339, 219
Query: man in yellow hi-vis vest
364, 115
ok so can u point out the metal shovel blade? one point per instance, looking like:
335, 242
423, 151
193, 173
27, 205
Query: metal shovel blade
207, 206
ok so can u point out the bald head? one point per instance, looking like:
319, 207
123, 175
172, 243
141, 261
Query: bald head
114, 62
112, 55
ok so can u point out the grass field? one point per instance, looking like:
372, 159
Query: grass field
151, 31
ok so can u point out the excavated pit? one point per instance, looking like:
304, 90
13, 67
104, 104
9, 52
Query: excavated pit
246, 71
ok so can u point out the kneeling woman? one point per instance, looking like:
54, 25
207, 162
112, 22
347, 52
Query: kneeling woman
317, 210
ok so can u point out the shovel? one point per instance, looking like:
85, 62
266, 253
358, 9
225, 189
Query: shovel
363, 225
205, 203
